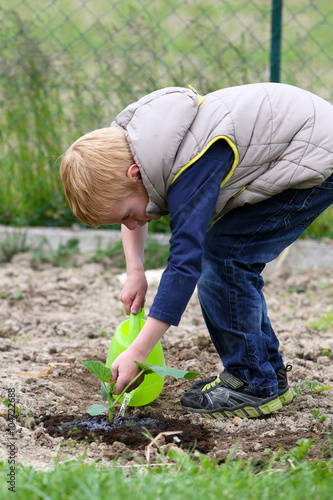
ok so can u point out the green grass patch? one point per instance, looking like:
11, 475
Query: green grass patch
289, 475
322, 227
324, 323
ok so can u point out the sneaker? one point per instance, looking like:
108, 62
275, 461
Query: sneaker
284, 391
228, 396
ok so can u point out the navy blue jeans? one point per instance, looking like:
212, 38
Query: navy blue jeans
237, 247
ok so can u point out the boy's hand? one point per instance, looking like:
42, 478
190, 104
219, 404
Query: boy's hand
134, 292
124, 370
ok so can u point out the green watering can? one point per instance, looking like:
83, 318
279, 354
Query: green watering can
124, 335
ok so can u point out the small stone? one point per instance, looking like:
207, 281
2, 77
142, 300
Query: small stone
237, 421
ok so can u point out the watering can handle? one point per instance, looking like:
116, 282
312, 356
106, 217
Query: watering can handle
134, 326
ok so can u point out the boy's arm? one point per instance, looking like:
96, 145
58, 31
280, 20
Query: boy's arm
123, 368
192, 200
135, 288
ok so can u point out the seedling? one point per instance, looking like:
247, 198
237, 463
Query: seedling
316, 414
104, 374
7, 403
296, 390
316, 387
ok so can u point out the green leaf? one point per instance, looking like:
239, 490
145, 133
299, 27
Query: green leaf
109, 387
98, 369
164, 371
322, 388
103, 391
315, 386
97, 409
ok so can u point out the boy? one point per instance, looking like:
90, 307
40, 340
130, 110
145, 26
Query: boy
256, 160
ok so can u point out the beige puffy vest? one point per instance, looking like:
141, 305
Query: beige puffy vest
282, 137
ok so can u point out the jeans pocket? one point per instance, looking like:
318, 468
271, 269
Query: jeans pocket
308, 204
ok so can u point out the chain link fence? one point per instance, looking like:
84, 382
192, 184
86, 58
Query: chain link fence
69, 66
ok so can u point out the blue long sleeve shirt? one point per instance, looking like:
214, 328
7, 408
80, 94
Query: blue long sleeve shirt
192, 199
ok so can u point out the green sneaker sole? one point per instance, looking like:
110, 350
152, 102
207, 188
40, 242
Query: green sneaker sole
242, 412
286, 397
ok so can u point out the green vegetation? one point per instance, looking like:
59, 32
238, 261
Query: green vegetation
63, 256
15, 243
8, 404
55, 92
321, 227
156, 252
315, 387
181, 476
103, 373
324, 323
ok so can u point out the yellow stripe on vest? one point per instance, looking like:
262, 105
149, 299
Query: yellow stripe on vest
200, 98
239, 192
234, 165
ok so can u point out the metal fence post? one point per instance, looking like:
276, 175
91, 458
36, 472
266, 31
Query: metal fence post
276, 31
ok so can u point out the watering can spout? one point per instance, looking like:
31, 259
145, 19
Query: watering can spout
124, 335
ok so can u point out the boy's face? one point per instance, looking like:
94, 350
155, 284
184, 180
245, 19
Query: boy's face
131, 212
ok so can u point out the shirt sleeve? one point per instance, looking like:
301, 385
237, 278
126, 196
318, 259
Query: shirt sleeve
192, 199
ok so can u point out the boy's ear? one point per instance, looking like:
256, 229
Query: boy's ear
133, 173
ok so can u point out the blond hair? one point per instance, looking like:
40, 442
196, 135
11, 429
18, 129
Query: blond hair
93, 173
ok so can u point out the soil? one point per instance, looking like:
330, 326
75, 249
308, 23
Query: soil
51, 317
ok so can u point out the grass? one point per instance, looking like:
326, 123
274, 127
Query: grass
190, 476
14, 244
322, 227
324, 323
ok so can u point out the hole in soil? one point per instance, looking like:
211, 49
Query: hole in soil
128, 430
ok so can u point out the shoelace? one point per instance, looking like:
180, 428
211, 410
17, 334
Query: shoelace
212, 384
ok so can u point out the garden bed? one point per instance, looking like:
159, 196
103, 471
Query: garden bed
51, 317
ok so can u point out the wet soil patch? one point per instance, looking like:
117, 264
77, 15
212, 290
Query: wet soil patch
129, 430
